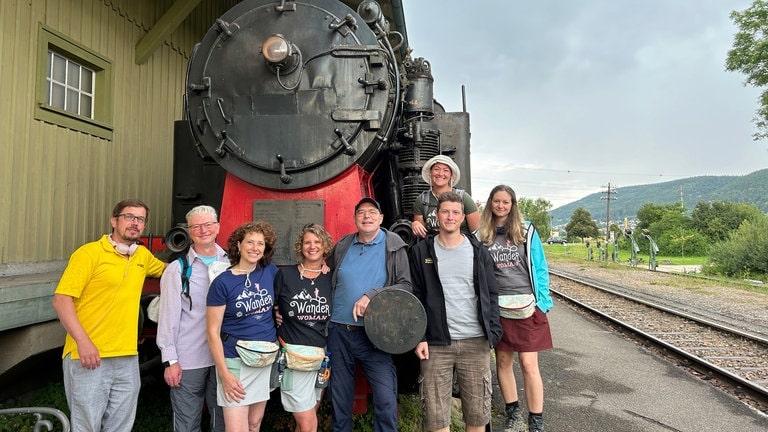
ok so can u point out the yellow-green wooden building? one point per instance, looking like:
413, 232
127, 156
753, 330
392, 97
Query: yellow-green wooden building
91, 89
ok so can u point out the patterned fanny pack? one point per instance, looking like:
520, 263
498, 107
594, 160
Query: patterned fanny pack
517, 306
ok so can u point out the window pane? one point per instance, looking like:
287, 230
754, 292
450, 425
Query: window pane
73, 100
73, 75
85, 106
86, 84
57, 95
59, 68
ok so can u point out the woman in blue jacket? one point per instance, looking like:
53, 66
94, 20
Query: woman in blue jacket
523, 278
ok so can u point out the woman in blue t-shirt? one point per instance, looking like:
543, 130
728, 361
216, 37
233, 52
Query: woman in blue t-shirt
240, 302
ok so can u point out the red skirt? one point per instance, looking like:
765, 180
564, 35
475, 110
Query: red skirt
526, 335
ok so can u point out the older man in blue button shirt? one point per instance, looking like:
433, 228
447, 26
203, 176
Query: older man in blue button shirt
364, 263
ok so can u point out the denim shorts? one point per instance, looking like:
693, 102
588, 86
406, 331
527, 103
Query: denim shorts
472, 360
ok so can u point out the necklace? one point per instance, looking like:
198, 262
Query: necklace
303, 269
247, 274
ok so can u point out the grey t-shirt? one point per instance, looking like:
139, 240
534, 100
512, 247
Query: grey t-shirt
510, 266
454, 267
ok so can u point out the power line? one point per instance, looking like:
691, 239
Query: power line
603, 173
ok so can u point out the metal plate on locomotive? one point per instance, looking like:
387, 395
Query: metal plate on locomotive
395, 321
300, 128
288, 217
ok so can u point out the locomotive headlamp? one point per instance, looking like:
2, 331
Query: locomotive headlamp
276, 49
282, 56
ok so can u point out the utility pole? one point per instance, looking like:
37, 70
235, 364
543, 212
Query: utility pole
682, 204
609, 194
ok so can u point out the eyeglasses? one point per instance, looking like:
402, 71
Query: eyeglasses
370, 212
129, 217
199, 227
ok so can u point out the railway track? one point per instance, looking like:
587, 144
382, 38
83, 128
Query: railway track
730, 354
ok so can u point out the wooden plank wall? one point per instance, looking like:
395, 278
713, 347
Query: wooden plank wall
58, 186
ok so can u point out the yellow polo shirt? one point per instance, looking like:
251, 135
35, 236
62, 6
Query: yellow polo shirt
106, 289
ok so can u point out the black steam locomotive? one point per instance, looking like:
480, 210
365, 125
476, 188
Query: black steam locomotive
297, 109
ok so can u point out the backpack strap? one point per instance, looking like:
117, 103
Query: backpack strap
186, 272
424, 203
425, 200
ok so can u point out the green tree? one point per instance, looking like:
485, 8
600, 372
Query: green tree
650, 213
749, 56
717, 220
581, 225
744, 253
671, 229
537, 212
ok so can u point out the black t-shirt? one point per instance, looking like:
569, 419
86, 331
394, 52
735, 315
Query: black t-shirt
305, 306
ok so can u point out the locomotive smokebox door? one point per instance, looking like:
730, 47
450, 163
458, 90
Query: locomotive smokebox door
289, 97
395, 321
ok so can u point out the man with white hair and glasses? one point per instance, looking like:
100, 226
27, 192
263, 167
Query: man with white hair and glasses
181, 326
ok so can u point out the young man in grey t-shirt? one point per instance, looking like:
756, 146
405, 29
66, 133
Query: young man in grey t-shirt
452, 275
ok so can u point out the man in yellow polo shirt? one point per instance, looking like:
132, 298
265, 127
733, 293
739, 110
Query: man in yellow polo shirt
97, 301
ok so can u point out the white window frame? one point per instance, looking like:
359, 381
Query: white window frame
98, 121
74, 90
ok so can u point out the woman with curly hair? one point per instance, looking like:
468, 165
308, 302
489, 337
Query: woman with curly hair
240, 302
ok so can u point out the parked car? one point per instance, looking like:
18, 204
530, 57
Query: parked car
553, 240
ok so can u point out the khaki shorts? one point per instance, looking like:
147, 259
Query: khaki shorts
254, 380
472, 360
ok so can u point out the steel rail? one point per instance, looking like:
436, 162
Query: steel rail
755, 391
694, 318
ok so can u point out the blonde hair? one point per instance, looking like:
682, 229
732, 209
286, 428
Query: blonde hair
317, 230
515, 223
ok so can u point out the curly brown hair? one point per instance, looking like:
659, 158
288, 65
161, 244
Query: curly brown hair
317, 230
237, 236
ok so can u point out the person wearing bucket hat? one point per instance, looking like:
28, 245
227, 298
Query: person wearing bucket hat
442, 174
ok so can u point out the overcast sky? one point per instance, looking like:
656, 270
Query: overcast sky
568, 96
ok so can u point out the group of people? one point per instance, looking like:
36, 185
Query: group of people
236, 326
484, 283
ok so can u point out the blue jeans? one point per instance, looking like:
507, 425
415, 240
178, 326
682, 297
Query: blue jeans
346, 347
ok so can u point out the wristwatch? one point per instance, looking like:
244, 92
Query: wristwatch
170, 363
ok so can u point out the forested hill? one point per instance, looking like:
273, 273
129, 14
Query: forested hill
750, 188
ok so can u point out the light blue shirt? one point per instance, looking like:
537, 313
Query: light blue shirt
363, 268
